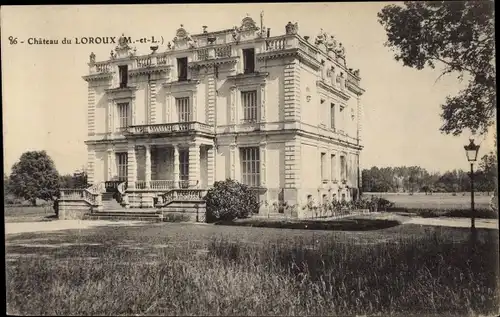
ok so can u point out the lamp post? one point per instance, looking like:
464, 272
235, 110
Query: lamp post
471, 151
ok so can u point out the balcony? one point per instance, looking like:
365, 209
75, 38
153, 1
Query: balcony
171, 129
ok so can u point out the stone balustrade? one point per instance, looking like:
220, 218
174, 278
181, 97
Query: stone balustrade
168, 128
79, 194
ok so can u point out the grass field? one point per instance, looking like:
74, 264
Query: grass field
435, 201
28, 213
188, 269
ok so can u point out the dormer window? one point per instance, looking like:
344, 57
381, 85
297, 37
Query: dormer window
249, 60
182, 65
123, 73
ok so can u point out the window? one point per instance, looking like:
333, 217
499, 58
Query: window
182, 64
250, 166
184, 167
121, 160
323, 156
321, 113
123, 115
333, 168
332, 116
249, 60
123, 73
249, 101
183, 109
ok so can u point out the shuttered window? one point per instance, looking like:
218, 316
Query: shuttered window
183, 109
250, 166
249, 101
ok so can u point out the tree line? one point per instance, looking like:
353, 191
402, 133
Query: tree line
35, 176
417, 179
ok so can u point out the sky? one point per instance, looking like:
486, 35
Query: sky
45, 97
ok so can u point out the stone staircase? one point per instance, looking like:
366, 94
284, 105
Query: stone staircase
112, 210
109, 202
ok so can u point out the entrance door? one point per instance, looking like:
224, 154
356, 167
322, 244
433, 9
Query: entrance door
184, 168
121, 160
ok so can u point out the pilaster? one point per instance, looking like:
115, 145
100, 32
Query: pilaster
211, 165
148, 165
232, 160
232, 119
110, 164
168, 110
131, 166
292, 91
210, 118
263, 164
194, 162
176, 166
152, 102
292, 164
194, 106
90, 166
110, 116
263, 103
91, 110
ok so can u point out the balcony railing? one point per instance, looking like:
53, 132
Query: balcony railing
165, 184
206, 53
167, 128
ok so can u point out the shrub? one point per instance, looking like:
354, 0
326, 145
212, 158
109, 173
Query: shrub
229, 200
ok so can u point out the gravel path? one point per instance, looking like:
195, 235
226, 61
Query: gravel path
21, 227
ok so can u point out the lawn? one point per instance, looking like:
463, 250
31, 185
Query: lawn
28, 213
193, 269
435, 201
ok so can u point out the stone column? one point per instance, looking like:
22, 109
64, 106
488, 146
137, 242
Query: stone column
131, 166
232, 119
211, 166
148, 165
176, 166
90, 166
194, 163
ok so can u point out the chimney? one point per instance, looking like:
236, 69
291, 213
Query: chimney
268, 32
204, 29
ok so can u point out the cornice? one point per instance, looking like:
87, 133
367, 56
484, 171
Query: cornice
179, 84
97, 76
333, 90
354, 88
214, 61
150, 70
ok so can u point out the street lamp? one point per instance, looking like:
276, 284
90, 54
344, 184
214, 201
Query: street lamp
471, 151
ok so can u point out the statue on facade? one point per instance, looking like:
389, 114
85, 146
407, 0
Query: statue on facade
340, 51
169, 45
92, 58
292, 28
236, 34
331, 43
330, 72
356, 72
112, 54
248, 24
320, 38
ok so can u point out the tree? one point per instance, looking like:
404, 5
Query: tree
460, 36
488, 168
35, 176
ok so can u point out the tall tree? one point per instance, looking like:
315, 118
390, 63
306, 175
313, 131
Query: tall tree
35, 176
460, 36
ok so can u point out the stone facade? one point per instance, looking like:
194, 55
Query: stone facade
282, 114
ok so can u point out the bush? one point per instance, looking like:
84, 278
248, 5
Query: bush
229, 200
